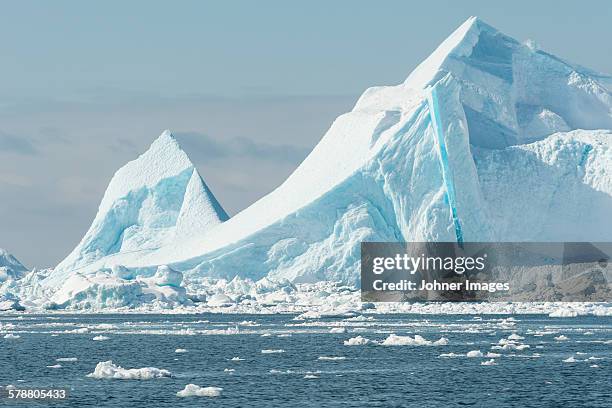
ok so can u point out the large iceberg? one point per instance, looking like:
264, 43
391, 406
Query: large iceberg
488, 139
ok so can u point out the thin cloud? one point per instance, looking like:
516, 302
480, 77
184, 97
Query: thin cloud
17, 145
203, 147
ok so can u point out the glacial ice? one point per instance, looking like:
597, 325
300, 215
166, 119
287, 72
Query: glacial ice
487, 139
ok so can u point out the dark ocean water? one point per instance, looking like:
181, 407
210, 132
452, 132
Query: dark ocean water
370, 376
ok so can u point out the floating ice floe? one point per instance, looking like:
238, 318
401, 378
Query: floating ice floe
236, 359
490, 362
55, 366
449, 355
563, 313
395, 340
561, 338
180, 350
594, 366
570, 359
106, 369
357, 341
229, 370
277, 351
11, 336
515, 336
311, 376
492, 355
474, 353
331, 358
192, 390
66, 359
337, 330
100, 338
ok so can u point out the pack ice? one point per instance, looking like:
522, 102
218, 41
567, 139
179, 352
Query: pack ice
488, 139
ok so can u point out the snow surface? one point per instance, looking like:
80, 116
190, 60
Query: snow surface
487, 140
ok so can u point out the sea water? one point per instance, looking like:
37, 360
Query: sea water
225, 350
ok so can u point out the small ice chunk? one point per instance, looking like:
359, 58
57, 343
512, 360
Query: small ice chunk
570, 359
55, 366
166, 276
310, 377
442, 341
192, 390
594, 366
449, 355
229, 370
277, 351
337, 330
561, 338
490, 362
331, 358
100, 338
474, 353
395, 340
236, 359
11, 336
65, 359
106, 369
180, 350
357, 341
563, 313
515, 336
492, 355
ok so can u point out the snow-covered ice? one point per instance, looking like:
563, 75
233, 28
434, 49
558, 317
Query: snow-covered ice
106, 369
100, 338
192, 390
357, 341
395, 340
570, 359
474, 353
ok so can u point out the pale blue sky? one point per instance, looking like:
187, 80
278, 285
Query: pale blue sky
86, 86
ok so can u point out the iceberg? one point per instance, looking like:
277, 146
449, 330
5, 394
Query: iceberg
151, 201
10, 267
487, 140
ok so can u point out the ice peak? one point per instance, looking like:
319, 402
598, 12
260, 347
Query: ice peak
460, 45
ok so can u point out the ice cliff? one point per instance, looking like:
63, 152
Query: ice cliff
488, 139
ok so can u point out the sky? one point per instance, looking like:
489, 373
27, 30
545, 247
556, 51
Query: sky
247, 87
